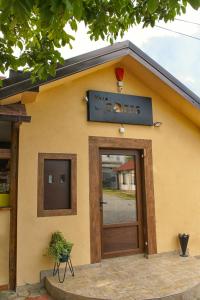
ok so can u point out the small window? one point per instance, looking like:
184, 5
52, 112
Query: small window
56, 184
124, 178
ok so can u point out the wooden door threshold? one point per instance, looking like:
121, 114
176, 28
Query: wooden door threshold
122, 253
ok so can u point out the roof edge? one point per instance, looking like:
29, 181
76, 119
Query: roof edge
195, 100
22, 82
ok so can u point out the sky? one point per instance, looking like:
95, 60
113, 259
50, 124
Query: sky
177, 54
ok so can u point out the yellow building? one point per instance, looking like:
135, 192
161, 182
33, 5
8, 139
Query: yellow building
53, 138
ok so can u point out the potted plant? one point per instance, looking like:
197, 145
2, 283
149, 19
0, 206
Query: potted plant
59, 249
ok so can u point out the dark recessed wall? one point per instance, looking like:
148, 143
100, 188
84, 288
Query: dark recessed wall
5, 133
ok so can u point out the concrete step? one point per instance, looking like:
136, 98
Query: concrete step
166, 277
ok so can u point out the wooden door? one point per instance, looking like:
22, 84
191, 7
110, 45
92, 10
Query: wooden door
121, 203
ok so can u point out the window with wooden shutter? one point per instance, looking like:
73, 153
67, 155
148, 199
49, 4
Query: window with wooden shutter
56, 184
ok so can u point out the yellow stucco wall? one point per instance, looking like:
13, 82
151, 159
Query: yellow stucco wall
59, 125
4, 246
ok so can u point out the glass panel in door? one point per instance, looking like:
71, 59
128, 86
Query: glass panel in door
118, 189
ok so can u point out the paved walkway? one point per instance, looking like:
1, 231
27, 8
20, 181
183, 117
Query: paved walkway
132, 278
118, 210
27, 292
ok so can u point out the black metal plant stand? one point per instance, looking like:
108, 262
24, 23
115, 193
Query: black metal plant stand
56, 269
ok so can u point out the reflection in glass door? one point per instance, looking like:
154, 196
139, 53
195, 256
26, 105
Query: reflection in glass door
120, 202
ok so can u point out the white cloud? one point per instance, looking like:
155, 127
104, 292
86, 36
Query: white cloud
188, 79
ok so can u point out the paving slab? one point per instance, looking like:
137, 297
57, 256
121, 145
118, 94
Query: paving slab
166, 276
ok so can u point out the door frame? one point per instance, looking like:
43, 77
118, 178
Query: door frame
145, 146
13, 205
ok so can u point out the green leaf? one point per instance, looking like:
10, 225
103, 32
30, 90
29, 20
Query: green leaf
194, 3
152, 5
73, 25
78, 9
183, 8
138, 18
61, 60
20, 45
68, 4
173, 3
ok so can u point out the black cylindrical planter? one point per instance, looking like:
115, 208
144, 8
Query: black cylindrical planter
183, 239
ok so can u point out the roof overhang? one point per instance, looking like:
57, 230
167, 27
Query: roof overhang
23, 84
14, 113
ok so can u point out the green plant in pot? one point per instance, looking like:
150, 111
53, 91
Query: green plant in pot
59, 249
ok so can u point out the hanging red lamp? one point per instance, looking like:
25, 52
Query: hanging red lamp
119, 72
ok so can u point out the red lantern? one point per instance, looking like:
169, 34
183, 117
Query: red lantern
119, 72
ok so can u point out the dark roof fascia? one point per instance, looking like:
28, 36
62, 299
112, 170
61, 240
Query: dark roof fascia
164, 75
22, 83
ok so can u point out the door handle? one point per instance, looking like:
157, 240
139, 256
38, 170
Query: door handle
103, 202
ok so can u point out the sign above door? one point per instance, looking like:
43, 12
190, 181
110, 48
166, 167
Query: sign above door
119, 108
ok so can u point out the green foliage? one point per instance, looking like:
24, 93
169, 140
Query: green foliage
37, 28
58, 246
